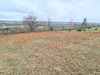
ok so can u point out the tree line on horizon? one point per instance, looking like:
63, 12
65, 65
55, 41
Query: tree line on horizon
31, 24
31, 21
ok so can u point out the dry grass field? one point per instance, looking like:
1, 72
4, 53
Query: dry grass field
50, 53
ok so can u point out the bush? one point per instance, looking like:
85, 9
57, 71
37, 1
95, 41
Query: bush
6, 29
79, 29
96, 28
84, 30
89, 27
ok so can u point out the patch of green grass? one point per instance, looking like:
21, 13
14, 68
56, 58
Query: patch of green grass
77, 42
67, 27
4, 49
13, 62
92, 29
7, 47
1, 34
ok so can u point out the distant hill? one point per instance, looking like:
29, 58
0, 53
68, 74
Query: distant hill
20, 22
8, 22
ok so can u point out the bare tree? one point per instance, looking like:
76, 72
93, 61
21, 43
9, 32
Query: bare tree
71, 23
31, 21
49, 24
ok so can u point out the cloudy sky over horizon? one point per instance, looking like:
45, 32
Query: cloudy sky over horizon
58, 10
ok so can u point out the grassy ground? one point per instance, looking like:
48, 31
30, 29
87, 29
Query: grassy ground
67, 27
50, 53
92, 29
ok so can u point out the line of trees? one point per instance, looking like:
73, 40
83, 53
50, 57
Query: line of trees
32, 22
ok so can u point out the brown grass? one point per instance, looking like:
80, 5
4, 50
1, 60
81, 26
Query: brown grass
50, 53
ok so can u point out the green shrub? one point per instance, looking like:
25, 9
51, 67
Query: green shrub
6, 29
84, 30
89, 27
79, 29
96, 28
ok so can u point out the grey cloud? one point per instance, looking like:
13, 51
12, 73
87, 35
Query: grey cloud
62, 10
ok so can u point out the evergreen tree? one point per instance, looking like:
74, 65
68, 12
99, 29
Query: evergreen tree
84, 23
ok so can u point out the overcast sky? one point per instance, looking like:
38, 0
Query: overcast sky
58, 10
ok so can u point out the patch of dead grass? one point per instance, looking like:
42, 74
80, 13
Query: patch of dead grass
50, 53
